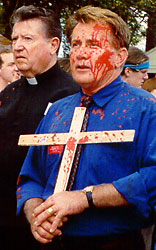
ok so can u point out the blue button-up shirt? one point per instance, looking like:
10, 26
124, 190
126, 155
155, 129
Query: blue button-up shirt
130, 166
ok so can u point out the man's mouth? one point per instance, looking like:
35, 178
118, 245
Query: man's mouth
20, 57
83, 67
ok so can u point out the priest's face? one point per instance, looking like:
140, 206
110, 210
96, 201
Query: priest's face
93, 56
33, 51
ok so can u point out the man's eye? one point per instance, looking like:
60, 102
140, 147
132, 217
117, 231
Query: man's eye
74, 45
28, 38
94, 45
14, 39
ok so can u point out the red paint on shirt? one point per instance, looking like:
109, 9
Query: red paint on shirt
100, 112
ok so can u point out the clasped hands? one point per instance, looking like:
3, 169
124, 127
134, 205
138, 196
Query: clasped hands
49, 216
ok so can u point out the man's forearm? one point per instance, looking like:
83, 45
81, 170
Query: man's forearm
107, 195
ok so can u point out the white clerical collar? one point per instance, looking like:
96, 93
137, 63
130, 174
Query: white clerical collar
32, 81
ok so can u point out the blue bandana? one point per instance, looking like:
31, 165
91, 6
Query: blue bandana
145, 65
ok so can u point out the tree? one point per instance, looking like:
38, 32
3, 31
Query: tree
134, 12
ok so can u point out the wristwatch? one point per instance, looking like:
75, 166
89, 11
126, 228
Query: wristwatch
88, 191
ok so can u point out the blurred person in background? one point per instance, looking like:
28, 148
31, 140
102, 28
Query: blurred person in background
8, 69
150, 85
135, 70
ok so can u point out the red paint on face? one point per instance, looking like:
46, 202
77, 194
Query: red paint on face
92, 55
104, 60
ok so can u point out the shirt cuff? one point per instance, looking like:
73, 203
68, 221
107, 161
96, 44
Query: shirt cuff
27, 191
133, 189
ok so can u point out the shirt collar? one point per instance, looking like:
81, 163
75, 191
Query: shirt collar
45, 76
32, 81
107, 93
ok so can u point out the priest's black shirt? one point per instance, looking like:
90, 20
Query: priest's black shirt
22, 106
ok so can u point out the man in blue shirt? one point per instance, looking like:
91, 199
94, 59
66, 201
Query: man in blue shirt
114, 192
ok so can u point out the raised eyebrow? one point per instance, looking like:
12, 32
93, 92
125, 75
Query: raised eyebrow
93, 41
13, 36
76, 41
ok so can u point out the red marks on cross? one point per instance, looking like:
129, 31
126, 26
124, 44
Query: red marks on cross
71, 144
100, 112
83, 140
42, 139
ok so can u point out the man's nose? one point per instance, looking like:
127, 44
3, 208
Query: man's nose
18, 45
146, 76
16, 69
83, 52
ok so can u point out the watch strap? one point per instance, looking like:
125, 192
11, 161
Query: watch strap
90, 199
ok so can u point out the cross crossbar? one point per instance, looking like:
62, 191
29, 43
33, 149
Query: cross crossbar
110, 136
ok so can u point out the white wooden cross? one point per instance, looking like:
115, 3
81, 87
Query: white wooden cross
71, 140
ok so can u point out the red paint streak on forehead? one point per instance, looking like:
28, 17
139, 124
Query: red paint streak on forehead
108, 29
105, 34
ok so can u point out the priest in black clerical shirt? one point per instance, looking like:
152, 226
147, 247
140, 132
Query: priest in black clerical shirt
36, 39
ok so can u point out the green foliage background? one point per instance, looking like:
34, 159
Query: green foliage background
134, 12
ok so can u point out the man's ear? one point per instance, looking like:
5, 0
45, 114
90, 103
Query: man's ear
55, 44
127, 71
121, 57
